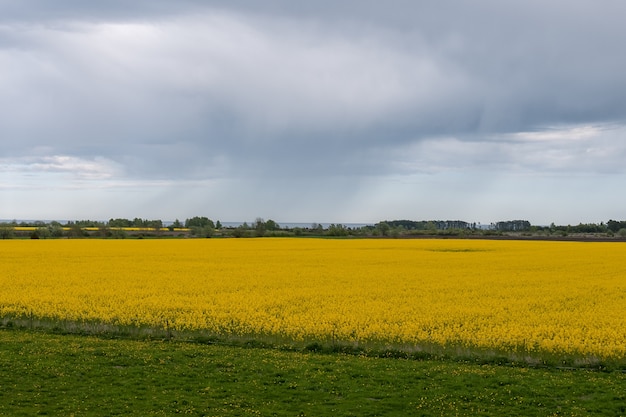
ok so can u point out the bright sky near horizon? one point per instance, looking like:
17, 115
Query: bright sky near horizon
325, 111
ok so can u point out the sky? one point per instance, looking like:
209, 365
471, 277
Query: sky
329, 111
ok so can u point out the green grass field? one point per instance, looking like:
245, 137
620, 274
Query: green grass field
72, 375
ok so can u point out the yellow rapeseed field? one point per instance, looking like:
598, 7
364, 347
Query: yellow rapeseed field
554, 297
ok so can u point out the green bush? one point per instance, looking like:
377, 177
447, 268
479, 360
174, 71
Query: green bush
6, 231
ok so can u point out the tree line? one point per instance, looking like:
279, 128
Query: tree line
202, 226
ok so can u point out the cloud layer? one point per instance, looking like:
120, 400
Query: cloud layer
332, 111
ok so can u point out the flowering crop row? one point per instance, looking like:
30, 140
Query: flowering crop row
95, 229
559, 297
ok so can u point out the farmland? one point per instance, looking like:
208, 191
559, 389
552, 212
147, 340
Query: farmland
558, 302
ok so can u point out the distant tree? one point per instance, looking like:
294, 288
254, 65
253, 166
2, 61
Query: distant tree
317, 228
259, 227
589, 228
614, 226
86, 223
43, 232
198, 231
6, 231
241, 231
383, 228
154, 224
120, 223
104, 231
430, 226
271, 225
119, 234
199, 222
406, 224
337, 230
177, 224
75, 231
56, 230
218, 225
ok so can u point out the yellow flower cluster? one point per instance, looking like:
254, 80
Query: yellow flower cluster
561, 297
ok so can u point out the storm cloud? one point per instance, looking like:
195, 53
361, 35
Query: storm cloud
324, 111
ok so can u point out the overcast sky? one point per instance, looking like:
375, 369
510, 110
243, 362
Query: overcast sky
325, 111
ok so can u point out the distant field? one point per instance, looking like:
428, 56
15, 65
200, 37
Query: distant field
525, 300
95, 229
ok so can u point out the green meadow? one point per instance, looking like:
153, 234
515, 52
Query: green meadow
42, 373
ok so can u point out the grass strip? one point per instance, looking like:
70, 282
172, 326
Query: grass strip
423, 351
49, 374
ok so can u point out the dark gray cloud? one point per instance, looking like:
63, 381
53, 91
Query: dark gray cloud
320, 93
